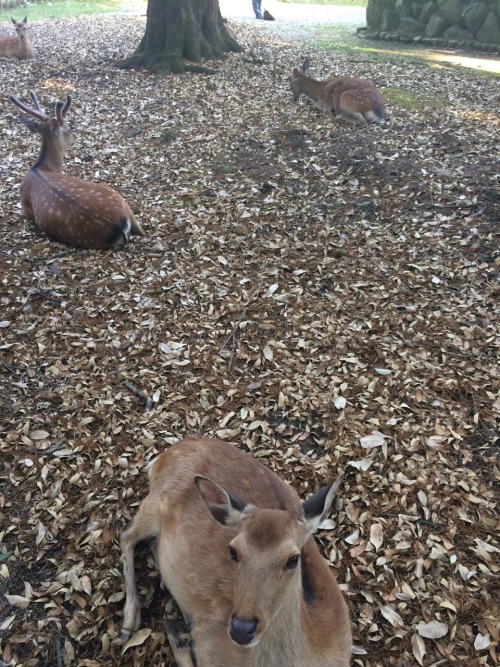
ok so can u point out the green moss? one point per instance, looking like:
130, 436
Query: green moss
166, 135
337, 40
59, 9
406, 100
223, 167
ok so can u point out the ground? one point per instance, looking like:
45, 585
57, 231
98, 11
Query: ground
323, 295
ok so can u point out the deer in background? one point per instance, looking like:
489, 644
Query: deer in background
351, 99
83, 214
18, 47
230, 31
234, 547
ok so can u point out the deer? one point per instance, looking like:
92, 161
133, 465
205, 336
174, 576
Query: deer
18, 47
230, 31
351, 99
77, 212
233, 544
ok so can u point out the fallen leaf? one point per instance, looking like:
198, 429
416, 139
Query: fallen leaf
432, 630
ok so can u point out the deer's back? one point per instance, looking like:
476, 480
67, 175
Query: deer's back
72, 210
361, 89
195, 545
9, 47
172, 474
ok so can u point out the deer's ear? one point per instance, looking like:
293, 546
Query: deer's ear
32, 125
316, 507
55, 126
225, 507
305, 66
295, 72
25, 19
13, 20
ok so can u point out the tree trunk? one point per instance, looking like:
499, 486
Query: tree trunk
178, 31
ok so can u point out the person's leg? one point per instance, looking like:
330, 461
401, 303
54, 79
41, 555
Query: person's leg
256, 5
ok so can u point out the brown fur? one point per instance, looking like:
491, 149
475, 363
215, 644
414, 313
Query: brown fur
351, 99
18, 47
211, 588
77, 212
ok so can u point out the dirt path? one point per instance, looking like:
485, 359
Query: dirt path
294, 19
296, 22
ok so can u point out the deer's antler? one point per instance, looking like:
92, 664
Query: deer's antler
38, 112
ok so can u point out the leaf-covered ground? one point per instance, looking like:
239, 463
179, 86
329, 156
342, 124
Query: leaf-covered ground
323, 295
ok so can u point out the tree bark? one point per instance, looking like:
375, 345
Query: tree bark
180, 33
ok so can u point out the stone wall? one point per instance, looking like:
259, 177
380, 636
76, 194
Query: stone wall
467, 24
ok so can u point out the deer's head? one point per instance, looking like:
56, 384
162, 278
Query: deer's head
21, 27
266, 554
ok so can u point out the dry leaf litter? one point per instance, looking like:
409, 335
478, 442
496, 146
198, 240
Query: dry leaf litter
323, 295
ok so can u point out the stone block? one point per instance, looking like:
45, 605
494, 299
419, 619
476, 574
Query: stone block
474, 15
428, 9
375, 11
435, 27
409, 27
403, 8
450, 10
456, 32
389, 21
489, 32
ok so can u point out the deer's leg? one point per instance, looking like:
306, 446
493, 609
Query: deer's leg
180, 645
348, 106
145, 525
351, 117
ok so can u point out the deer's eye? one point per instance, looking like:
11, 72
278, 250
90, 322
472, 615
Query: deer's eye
292, 562
233, 553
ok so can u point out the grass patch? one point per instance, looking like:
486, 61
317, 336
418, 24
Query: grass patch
166, 135
410, 101
60, 9
223, 167
336, 38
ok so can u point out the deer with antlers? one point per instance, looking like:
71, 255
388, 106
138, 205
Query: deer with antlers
18, 47
234, 547
80, 213
350, 98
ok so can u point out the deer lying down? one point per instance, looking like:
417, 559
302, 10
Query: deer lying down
349, 98
83, 214
18, 47
230, 31
234, 546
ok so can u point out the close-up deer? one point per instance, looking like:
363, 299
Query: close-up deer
78, 212
234, 546
18, 47
349, 98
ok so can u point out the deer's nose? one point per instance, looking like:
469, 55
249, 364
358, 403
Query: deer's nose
242, 630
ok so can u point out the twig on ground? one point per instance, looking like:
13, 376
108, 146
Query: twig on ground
232, 338
140, 394
59, 657
43, 258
